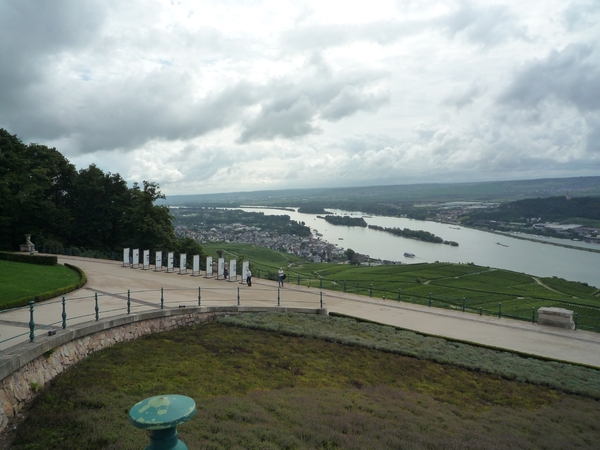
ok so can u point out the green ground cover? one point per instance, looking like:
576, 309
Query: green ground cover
21, 280
316, 382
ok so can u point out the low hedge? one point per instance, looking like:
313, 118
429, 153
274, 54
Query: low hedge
50, 294
43, 260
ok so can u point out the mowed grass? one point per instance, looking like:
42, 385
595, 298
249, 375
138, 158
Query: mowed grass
256, 389
20, 280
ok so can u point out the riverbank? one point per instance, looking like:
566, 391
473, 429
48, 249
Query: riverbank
540, 241
476, 246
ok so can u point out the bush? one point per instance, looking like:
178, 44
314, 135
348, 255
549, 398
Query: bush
42, 260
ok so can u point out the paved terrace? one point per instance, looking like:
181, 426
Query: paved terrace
111, 281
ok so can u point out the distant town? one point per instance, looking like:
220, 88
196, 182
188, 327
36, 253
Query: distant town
311, 248
274, 232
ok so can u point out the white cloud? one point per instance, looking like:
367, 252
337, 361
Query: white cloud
207, 96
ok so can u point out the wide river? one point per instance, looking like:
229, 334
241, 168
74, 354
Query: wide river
479, 247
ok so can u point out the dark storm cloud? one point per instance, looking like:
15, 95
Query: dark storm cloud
571, 76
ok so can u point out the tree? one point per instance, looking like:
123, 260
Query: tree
149, 225
190, 247
42, 194
349, 254
102, 201
36, 186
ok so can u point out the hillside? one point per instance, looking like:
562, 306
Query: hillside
551, 209
354, 197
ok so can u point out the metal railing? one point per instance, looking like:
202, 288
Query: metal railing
24, 323
585, 317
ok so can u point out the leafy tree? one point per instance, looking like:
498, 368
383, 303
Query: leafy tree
345, 221
190, 247
149, 226
101, 203
36, 183
349, 254
42, 194
12, 153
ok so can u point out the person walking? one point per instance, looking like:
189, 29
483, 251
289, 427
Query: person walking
248, 277
225, 273
281, 276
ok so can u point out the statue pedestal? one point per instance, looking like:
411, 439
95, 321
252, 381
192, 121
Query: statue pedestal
29, 248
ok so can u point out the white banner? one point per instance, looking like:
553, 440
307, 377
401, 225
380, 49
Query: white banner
245, 267
209, 267
126, 260
196, 266
220, 268
182, 263
158, 261
136, 257
170, 262
146, 259
232, 269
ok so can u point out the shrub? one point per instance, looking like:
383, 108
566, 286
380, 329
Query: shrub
44, 260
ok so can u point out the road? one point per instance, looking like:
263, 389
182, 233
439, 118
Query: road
111, 282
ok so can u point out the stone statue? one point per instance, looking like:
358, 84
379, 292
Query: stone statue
28, 246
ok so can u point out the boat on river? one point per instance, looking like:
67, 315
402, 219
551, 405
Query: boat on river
503, 245
409, 255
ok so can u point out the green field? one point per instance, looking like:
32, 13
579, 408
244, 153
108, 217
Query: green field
21, 280
480, 290
316, 382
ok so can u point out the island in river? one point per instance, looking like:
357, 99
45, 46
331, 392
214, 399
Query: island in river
415, 234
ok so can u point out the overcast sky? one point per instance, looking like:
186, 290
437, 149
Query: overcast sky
226, 95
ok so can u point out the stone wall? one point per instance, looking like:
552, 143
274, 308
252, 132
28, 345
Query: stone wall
26, 368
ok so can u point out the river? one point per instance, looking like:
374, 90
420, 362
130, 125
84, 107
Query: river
479, 247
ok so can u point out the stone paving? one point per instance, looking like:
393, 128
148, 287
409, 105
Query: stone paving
111, 281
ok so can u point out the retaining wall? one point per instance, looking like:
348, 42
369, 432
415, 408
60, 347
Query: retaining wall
27, 367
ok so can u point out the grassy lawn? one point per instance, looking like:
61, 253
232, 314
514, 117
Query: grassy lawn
299, 387
19, 280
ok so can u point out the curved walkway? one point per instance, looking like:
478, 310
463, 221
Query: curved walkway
111, 281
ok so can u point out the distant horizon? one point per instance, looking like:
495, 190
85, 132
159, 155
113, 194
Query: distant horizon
394, 184
485, 191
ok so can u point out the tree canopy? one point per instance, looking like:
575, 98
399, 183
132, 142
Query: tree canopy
42, 194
